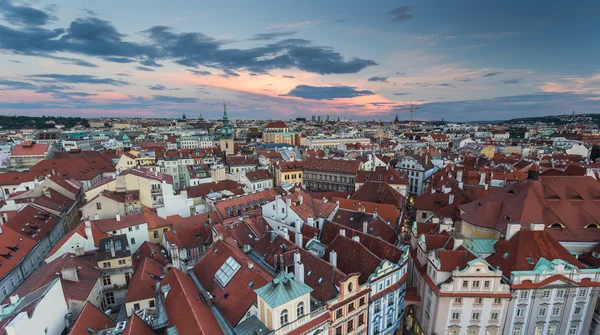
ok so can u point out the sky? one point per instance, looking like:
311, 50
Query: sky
460, 60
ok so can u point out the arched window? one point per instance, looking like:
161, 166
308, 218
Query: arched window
350, 288
284, 317
300, 309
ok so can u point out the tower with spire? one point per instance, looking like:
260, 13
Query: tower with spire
226, 141
396, 120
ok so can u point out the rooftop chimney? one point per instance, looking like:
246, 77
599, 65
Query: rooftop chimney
512, 229
14, 299
536, 226
69, 274
343, 232
365, 227
300, 199
299, 271
534, 172
118, 216
112, 248
451, 198
356, 238
482, 178
333, 258
298, 241
310, 221
288, 202
459, 175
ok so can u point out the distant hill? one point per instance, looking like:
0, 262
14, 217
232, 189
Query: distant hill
559, 119
39, 122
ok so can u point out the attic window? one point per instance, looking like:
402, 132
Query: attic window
506, 254
530, 260
308, 273
592, 226
511, 192
556, 225
479, 204
507, 218
596, 255
320, 281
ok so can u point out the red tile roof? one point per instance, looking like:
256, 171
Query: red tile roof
32, 222
380, 193
149, 250
267, 195
14, 247
80, 290
389, 213
203, 189
143, 282
568, 201
383, 174
30, 149
145, 216
16, 178
524, 250
276, 124
332, 165
185, 308
353, 257
193, 230
136, 326
238, 295
241, 160
91, 317
259, 175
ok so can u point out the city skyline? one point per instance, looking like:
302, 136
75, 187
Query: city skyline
460, 61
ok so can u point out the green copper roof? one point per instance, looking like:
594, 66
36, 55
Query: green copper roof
480, 245
282, 290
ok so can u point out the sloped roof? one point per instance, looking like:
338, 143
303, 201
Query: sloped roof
378, 192
236, 297
185, 308
332, 165
73, 290
523, 251
573, 202
282, 289
143, 282
91, 318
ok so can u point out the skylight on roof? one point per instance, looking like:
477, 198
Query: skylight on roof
227, 271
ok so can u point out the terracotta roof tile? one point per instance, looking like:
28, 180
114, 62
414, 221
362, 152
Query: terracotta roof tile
91, 317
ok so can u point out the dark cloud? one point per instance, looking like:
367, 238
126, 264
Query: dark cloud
463, 79
77, 79
511, 81
170, 99
15, 61
289, 77
197, 49
401, 74
143, 68
326, 92
200, 73
401, 93
122, 60
401, 14
16, 85
491, 74
228, 73
381, 103
381, 79
23, 15
81, 62
122, 74
156, 87
91, 36
150, 62
271, 36
424, 85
